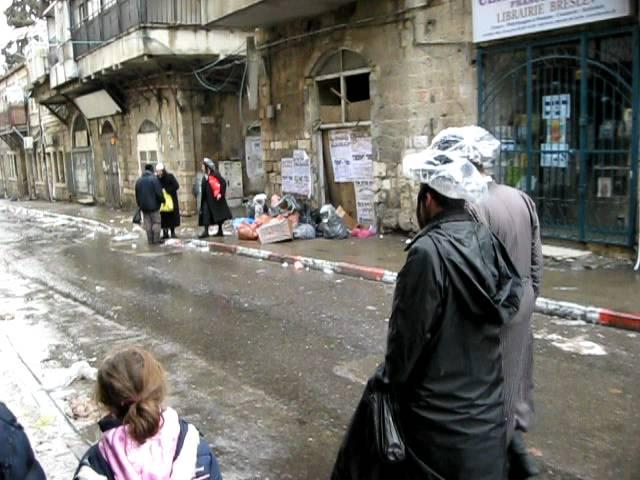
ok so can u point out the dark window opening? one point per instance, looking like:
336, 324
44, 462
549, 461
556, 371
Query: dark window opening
329, 91
357, 87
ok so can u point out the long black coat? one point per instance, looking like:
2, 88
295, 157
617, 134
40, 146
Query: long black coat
213, 211
171, 185
443, 362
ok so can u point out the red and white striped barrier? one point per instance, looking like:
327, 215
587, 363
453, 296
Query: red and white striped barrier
556, 308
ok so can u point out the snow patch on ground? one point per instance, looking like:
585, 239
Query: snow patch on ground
578, 344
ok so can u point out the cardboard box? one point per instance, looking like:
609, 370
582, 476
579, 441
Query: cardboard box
347, 219
275, 231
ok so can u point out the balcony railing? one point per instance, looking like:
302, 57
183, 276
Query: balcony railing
13, 116
123, 15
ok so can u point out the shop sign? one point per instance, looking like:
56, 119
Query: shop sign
495, 19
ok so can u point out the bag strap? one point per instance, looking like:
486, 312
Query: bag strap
184, 428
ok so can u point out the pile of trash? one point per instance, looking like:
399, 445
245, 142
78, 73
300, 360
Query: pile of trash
287, 218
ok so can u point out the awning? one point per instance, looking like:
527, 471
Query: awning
264, 13
97, 104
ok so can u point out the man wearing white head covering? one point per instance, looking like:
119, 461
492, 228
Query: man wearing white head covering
443, 366
511, 215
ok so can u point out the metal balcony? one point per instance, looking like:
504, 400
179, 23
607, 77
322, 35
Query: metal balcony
121, 16
265, 13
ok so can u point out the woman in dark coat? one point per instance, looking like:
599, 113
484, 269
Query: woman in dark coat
213, 207
169, 220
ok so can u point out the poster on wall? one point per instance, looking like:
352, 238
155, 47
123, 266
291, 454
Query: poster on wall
341, 156
296, 174
605, 187
494, 19
253, 156
232, 173
555, 155
556, 106
365, 206
361, 156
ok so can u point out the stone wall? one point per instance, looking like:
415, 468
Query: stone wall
191, 124
422, 80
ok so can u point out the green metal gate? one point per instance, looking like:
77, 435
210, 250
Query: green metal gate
566, 111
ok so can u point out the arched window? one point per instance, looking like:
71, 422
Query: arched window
148, 140
343, 88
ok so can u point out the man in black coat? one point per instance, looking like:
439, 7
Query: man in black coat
169, 220
17, 461
443, 364
149, 198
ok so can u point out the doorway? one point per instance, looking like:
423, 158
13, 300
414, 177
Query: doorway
109, 140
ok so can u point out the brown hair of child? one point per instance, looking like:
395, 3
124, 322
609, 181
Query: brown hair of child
132, 386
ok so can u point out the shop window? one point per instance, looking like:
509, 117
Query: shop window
343, 89
12, 164
148, 144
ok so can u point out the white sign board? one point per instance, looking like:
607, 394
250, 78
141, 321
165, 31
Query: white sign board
361, 157
253, 155
554, 155
232, 173
341, 157
296, 174
494, 19
351, 155
556, 106
365, 206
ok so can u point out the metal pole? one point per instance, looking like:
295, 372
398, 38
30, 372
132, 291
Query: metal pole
584, 135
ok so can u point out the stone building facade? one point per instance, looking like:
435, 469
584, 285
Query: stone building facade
421, 79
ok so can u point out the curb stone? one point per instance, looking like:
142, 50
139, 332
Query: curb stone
567, 310
546, 306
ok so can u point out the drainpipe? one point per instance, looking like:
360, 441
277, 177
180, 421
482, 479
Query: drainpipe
637, 267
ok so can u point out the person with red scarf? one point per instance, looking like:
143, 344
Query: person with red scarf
213, 206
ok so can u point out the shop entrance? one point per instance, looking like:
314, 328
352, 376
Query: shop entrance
566, 112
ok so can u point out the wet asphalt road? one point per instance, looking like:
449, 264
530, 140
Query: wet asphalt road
269, 361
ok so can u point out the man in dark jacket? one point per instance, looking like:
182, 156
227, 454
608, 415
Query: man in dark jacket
17, 461
443, 365
169, 220
149, 198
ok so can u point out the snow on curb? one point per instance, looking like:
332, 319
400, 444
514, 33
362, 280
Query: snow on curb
94, 225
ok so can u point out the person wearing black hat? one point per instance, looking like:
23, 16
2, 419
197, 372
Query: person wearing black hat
213, 208
17, 461
169, 220
149, 198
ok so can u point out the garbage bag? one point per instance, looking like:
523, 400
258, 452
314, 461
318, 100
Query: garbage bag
334, 229
304, 231
259, 204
